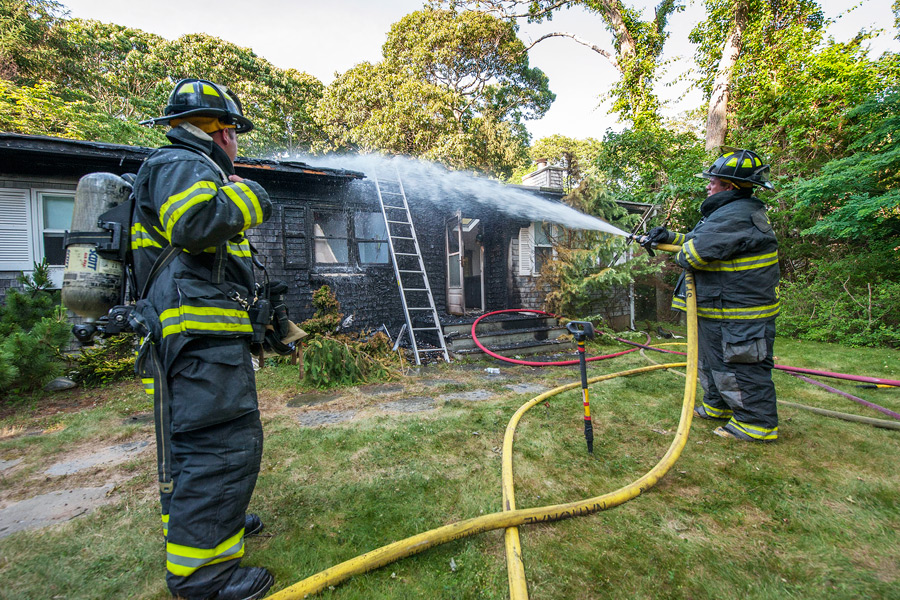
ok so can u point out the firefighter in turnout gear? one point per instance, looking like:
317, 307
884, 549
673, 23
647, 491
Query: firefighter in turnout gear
733, 254
195, 267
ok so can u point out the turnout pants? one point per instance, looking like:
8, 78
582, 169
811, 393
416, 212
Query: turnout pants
213, 468
735, 372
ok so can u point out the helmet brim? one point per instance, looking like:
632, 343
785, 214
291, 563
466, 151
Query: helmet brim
242, 124
707, 175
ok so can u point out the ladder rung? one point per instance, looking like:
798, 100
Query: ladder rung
410, 271
405, 254
431, 350
400, 237
400, 222
419, 308
425, 328
415, 289
395, 207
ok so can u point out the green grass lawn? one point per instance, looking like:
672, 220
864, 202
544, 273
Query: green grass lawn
815, 515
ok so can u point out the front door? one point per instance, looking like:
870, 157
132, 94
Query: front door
456, 298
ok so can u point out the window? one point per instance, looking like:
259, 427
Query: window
371, 238
32, 224
543, 249
56, 219
331, 238
535, 247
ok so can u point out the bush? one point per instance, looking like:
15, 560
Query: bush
33, 333
828, 310
335, 361
111, 360
328, 313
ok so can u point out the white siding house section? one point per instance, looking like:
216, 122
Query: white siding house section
16, 227
526, 252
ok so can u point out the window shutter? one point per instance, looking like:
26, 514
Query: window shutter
526, 250
16, 252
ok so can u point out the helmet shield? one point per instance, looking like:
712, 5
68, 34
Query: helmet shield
202, 98
743, 167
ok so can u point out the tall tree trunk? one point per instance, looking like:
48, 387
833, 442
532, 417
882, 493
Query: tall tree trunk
717, 116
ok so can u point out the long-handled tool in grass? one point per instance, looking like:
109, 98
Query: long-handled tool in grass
582, 331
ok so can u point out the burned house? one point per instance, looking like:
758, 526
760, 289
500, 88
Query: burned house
328, 228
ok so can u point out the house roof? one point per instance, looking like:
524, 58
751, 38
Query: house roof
37, 155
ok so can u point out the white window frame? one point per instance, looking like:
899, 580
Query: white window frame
31, 209
528, 248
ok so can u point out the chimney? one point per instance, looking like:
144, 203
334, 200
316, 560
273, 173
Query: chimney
546, 175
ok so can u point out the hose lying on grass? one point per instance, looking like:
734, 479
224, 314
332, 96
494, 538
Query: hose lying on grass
510, 517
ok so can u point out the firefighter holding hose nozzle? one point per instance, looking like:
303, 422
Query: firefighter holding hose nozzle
733, 255
194, 268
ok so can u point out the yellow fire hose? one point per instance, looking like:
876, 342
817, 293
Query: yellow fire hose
510, 518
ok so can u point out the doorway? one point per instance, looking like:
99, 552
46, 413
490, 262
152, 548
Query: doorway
465, 265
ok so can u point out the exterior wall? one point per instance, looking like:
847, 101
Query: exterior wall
369, 292
8, 277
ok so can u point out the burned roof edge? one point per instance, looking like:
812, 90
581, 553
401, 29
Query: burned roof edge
52, 145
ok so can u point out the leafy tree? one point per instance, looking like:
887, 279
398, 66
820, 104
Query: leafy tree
637, 44
658, 167
32, 47
452, 87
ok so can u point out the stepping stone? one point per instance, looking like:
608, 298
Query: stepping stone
112, 455
319, 417
9, 464
526, 388
54, 507
471, 396
412, 404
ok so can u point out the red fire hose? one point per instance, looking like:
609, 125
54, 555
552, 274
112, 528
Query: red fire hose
532, 363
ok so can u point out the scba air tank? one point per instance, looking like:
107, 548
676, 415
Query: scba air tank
93, 284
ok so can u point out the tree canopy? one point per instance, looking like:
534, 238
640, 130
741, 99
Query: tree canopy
452, 87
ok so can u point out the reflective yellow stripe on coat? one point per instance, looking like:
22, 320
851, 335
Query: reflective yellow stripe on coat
205, 318
247, 202
179, 203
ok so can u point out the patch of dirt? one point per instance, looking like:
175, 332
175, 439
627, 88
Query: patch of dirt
67, 401
313, 398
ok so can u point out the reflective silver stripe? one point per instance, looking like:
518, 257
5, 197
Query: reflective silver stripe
205, 318
246, 201
179, 203
184, 560
141, 238
742, 313
148, 384
754, 431
691, 256
742, 264
242, 249
719, 413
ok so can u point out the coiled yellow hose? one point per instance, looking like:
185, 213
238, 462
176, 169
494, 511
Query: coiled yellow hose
510, 518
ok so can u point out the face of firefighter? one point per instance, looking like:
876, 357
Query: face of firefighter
227, 140
717, 185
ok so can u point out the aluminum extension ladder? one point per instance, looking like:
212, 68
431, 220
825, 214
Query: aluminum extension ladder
409, 268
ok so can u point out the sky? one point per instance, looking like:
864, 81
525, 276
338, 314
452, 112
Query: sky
325, 38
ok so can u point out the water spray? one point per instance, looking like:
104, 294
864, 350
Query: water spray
436, 184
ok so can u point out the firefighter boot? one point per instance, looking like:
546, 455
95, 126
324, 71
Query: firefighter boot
246, 583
